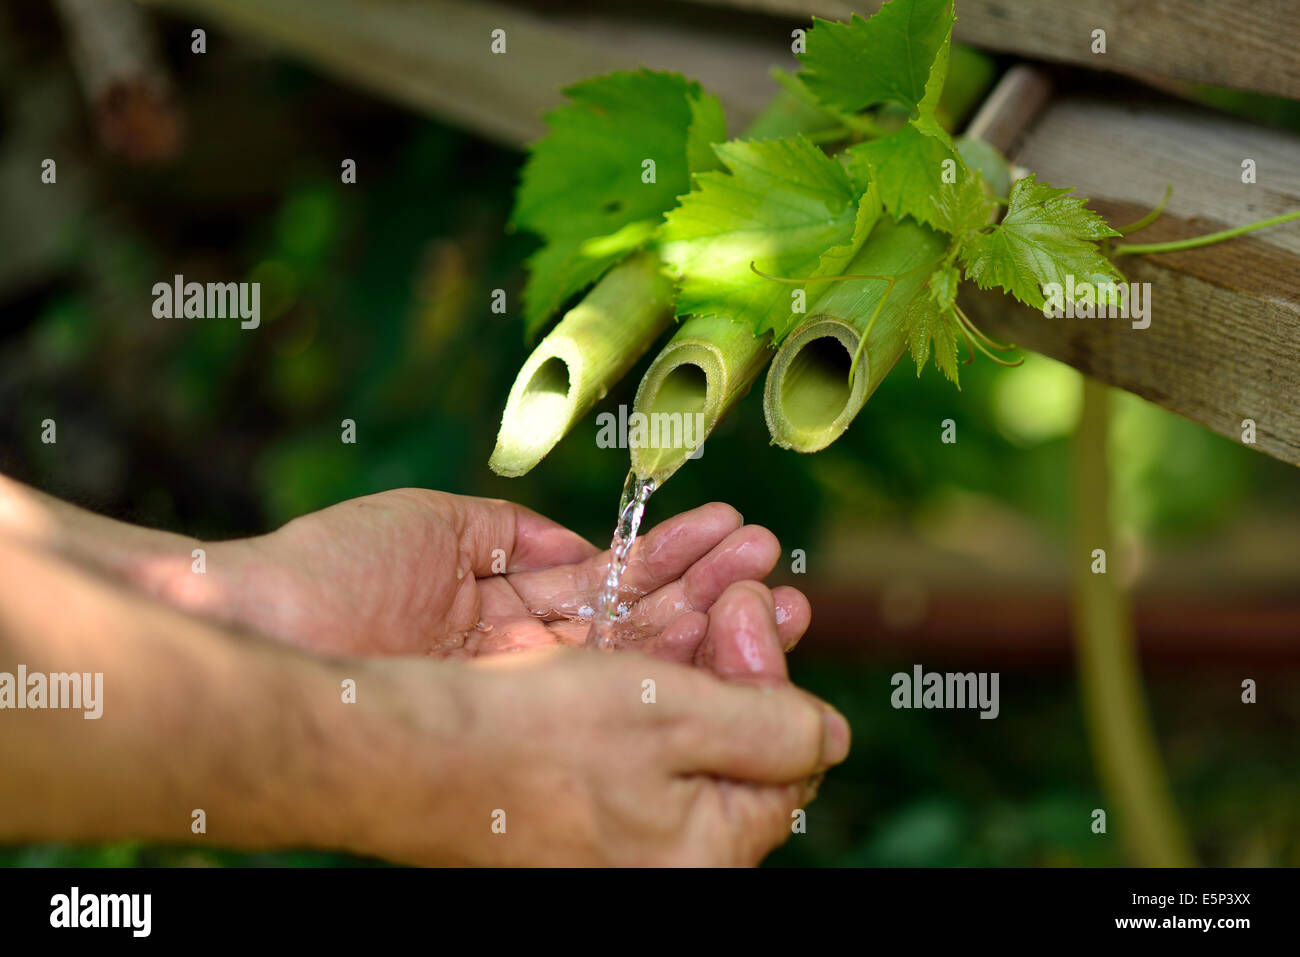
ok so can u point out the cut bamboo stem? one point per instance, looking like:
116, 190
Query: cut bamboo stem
591, 348
706, 367
703, 370
809, 399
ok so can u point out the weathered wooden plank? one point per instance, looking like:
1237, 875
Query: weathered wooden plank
1223, 343
1248, 45
436, 56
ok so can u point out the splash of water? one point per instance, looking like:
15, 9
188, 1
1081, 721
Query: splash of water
631, 507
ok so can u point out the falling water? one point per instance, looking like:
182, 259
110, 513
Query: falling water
636, 492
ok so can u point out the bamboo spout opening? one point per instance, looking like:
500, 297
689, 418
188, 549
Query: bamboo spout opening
546, 396
684, 390
808, 400
689, 387
591, 348
538, 414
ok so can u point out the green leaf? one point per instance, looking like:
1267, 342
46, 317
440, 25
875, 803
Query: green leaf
915, 170
708, 126
586, 179
920, 315
782, 205
556, 272
943, 287
1045, 236
945, 347
889, 58
570, 263
835, 261
963, 208
931, 318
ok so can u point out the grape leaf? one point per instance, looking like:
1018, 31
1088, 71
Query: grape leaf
930, 318
1044, 237
963, 208
835, 261
851, 66
782, 205
942, 285
918, 174
586, 179
927, 323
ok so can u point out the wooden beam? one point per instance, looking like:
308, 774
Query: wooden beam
436, 56
1250, 46
1223, 344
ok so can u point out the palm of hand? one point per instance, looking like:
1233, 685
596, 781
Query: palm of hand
376, 575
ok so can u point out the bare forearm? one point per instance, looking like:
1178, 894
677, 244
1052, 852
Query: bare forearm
191, 718
144, 557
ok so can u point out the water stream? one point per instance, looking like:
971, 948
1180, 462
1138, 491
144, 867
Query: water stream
631, 507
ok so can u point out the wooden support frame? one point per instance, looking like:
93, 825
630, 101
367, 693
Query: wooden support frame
1250, 46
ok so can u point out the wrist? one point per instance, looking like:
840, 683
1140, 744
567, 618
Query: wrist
153, 561
23, 514
397, 760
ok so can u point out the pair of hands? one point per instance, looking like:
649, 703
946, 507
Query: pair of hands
410, 572
585, 769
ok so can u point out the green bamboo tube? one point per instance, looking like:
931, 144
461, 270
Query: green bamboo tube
705, 368
808, 399
590, 349
712, 361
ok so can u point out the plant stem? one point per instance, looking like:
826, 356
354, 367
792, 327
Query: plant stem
1150, 217
1124, 748
1209, 239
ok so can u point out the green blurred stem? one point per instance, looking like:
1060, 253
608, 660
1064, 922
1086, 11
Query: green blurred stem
1133, 779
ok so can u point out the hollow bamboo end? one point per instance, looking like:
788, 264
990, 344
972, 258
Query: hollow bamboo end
808, 400
686, 383
705, 368
543, 404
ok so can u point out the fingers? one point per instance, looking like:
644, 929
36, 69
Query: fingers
742, 643
772, 735
793, 615
747, 631
681, 640
672, 547
756, 819
750, 553
662, 556
747, 553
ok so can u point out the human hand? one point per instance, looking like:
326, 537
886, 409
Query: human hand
577, 764
411, 572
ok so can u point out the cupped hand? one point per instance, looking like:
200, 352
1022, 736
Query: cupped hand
564, 758
413, 571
